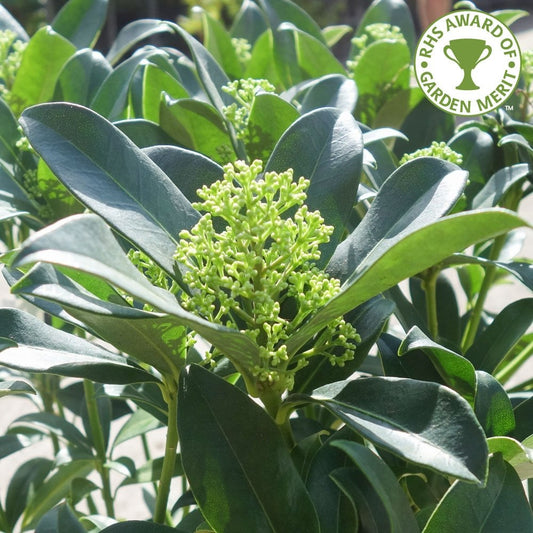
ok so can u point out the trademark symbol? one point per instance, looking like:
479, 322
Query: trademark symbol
509, 107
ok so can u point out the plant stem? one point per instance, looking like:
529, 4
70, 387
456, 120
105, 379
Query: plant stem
99, 444
508, 370
430, 288
170, 393
490, 273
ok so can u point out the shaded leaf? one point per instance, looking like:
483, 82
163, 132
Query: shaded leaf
380, 409
499, 506
15, 387
253, 484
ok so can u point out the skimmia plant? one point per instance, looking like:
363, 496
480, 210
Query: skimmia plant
234, 219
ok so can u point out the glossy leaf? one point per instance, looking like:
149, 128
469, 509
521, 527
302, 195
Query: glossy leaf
382, 480
264, 132
133, 33
218, 41
249, 22
81, 77
393, 12
325, 146
456, 371
379, 409
77, 242
54, 489
44, 57
498, 184
491, 346
197, 126
25, 481
477, 149
71, 137
8, 22
60, 519
493, 407
139, 423
188, 170
49, 423
156, 82
144, 133
419, 192
518, 455
80, 21
333, 34
279, 11
331, 90
42, 348
500, 506
217, 423
369, 320
398, 259
112, 98
150, 472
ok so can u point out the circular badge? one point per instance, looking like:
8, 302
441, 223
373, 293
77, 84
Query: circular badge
468, 63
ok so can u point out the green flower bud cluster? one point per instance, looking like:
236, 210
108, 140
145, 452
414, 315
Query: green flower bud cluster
437, 149
244, 92
11, 50
258, 274
242, 49
373, 33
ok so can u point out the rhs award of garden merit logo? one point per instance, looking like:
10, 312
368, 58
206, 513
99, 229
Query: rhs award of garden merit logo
468, 63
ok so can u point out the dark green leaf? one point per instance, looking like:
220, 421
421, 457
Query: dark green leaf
218, 41
147, 396
493, 407
77, 243
393, 12
269, 118
368, 319
25, 481
46, 423
44, 57
197, 126
42, 348
491, 346
81, 21
384, 483
217, 423
456, 371
331, 90
419, 192
188, 170
81, 77
13, 443
133, 33
249, 22
325, 146
54, 489
7, 22
517, 139
139, 423
140, 201
279, 11
477, 149
144, 133
380, 409
400, 258
498, 184
112, 97
499, 506
523, 414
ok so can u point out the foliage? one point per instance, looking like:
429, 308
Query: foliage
234, 219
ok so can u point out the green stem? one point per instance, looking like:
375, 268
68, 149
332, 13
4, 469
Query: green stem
475, 317
99, 444
508, 370
430, 288
170, 393
272, 403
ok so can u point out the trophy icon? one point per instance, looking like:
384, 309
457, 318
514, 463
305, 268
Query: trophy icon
467, 53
